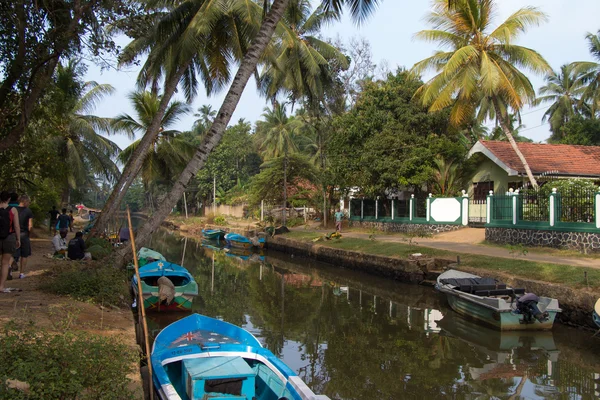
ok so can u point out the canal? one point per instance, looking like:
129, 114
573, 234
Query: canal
353, 336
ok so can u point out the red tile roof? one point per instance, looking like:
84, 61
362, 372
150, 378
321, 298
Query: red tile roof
565, 159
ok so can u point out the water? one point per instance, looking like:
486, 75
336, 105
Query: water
353, 336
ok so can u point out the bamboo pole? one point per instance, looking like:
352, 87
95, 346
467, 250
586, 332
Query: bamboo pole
140, 302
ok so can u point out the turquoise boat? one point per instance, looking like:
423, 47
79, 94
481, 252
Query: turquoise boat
492, 303
186, 287
213, 234
202, 358
242, 242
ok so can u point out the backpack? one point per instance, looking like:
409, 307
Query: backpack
6, 222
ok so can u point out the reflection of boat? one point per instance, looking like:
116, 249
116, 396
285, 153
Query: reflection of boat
244, 254
241, 241
493, 303
502, 349
186, 287
199, 357
213, 234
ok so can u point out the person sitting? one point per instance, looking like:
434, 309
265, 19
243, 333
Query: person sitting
76, 248
124, 234
59, 243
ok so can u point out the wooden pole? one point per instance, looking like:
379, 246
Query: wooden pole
185, 205
140, 302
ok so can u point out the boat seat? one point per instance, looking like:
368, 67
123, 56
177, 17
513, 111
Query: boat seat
477, 288
499, 292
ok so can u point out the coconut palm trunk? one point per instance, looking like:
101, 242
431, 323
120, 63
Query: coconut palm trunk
134, 164
217, 129
285, 164
504, 125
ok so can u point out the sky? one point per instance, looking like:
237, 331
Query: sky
390, 32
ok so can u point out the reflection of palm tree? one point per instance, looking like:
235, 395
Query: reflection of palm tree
481, 69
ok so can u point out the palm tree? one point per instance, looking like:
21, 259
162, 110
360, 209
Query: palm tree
298, 62
480, 73
564, 90
193, 41
206, 116
590, 74
78, 140
360, 9
169, 152
279, 132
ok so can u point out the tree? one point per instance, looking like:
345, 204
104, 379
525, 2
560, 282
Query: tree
34, 37
279, 132
193, 41
298, 61
481, 71
581, 131
590, 72
85, 153
169, 152
360, 9
564, 90
205, 115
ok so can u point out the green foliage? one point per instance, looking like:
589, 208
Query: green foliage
517, 250
91, 281
388, 141
582, 131
69, 365
103, 243
220, 220
98, 252
135, 197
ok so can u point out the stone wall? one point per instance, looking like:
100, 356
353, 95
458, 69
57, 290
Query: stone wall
582, 241
427, 229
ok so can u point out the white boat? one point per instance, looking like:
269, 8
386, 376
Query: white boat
493, 303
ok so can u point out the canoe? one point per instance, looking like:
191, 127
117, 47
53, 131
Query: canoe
199, 357
242, 242
186, 287
493, 303
213, 234
146, 255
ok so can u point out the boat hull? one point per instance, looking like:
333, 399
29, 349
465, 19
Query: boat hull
213, 234
505, 320
185, 290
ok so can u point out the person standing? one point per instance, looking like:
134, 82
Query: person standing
10, 237
64, 221
72, 218
25, 224
339, 217
53, 217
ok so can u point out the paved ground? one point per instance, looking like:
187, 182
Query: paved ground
468, 240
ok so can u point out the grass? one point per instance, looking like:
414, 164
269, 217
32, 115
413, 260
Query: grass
572, 276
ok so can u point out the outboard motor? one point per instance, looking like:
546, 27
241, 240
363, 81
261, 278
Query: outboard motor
528, 306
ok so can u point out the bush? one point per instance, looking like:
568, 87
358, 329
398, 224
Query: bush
210, 218
292, 222
64, 366
98, 252
89, 282
98, 242
220, 220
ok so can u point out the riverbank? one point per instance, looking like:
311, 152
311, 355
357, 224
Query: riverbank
576, 288
91, 332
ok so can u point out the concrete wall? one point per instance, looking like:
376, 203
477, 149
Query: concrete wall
223, 209
582, 241
404, 227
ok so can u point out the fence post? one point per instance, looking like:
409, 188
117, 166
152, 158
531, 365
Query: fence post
376, 208
597, 209
488, 207
411, 207
552, 205
428, 205
362, 208
465, 208
305, 213
511, 193
262, 210
392, 209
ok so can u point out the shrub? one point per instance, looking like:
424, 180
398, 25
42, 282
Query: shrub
220, 220
71, 365
89, 282
98, 242
98, 252
210, 218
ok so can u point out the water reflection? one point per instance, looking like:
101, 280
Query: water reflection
353, 336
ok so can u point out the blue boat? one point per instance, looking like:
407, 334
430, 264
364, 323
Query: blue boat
186, 287
242, 242
199, 357
213, 234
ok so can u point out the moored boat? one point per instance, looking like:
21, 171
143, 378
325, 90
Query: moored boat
495, 304
182, 284
199, 357
213, 234
242, 242
146, 255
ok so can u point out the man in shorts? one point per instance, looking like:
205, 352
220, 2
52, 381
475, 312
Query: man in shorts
53, 217
26, 224
10, 237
